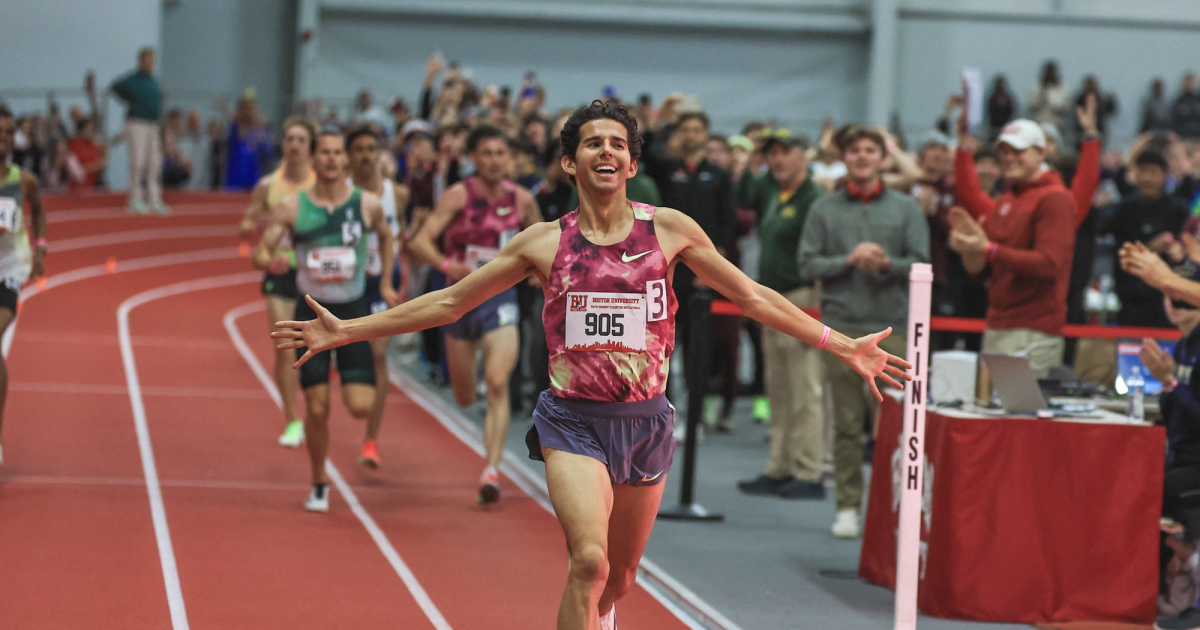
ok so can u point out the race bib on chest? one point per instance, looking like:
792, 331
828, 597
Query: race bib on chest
477, 256
10, 215
332, 264
606, 322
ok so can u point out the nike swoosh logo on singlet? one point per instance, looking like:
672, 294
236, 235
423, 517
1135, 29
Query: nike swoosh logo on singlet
625, 257
645, 478
505, 211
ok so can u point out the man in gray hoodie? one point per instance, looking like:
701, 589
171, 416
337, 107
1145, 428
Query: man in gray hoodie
859, 243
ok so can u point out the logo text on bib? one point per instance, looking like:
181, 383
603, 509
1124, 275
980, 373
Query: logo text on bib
606, 322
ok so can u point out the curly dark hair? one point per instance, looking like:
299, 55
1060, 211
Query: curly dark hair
481, 133
598, 110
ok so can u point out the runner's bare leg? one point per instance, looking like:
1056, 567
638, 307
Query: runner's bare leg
460, 363
582, 495
316, 429
633, 512
500, 348
375, 417
286, 379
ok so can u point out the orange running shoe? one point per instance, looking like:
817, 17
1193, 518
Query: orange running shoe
489, 488
370, 455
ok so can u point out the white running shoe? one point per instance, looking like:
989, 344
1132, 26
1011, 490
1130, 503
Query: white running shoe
609, 621
846, 525
318, 499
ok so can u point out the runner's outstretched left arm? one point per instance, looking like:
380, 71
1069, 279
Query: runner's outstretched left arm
772, 309
514, 263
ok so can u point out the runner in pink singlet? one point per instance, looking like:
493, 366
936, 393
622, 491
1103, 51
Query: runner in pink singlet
474, 220
604, 427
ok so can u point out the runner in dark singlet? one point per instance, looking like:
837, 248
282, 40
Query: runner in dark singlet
604, 428
19, 259
474, 220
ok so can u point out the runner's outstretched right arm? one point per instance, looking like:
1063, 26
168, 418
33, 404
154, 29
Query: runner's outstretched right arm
515, 262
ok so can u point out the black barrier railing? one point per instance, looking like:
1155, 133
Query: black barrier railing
698, 361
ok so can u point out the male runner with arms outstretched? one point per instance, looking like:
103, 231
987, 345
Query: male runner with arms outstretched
279, 284
475, 219
328, 225
18, 262
604, 428
363, 146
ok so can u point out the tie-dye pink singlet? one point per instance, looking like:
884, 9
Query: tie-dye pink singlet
610, 314
483, 227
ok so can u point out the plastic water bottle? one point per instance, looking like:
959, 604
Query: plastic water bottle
1135, 407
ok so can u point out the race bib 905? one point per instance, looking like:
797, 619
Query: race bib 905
332, 264
606, 322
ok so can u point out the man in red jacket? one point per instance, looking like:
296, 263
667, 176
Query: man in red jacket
1024, 247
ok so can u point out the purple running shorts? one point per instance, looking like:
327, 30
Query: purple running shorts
634, 439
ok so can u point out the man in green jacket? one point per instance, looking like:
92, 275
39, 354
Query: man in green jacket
139, 89
793, 370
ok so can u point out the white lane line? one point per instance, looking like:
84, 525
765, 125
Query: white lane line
158, 514
651, 577
92, 214
136, 236
92, 271
385, 546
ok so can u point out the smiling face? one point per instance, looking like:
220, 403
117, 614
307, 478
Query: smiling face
601, 163
863, 160
1021, 166
786, 163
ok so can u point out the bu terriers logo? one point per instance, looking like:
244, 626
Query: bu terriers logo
579, 302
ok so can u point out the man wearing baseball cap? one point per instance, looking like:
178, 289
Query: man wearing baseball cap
1023, 248
793, 371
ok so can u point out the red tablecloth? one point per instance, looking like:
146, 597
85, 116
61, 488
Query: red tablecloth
1025, 520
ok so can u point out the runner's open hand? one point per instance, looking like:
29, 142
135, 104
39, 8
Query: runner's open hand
318, 335
871, 362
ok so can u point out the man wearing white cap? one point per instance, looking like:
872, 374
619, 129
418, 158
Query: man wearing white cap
1022, 245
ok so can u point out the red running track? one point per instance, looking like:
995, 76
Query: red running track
79, 547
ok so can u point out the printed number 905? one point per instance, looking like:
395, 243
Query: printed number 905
604, 324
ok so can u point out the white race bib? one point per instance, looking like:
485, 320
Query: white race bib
10, 215
606, 322
479, 256
332, 264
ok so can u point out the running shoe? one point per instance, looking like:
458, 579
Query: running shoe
139, 207
293, 435
318, 499
160, 208
762, 410
489, 488
846, 525
370, 455
609, 620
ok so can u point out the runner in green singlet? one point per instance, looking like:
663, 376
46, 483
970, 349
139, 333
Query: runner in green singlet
328, 225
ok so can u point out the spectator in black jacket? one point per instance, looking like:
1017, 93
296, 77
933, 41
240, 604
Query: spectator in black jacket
1154, 218
1156, 112
688, 182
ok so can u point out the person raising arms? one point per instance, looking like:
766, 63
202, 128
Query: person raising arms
604, 427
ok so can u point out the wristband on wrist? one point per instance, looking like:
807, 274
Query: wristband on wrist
990, 252
41, 242
1171, 385
824, 338
445, 264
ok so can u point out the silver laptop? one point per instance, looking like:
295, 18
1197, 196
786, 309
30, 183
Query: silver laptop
1015, 383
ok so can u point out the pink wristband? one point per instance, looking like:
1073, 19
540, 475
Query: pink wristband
991, 250
41, 242
1172, 385
445, 264
824, 339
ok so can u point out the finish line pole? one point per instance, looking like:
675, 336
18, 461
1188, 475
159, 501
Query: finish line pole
908, 543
